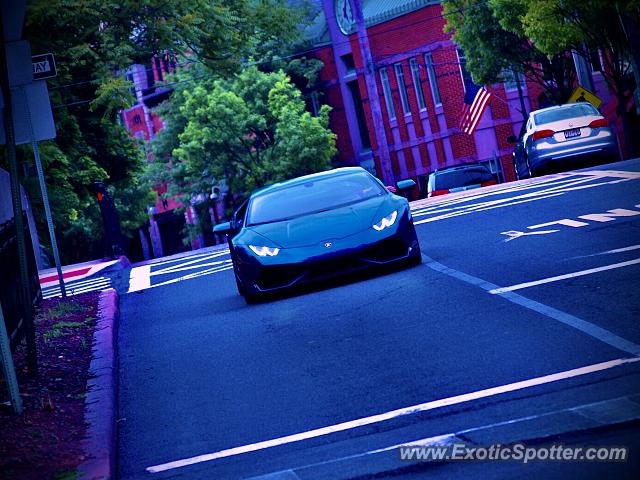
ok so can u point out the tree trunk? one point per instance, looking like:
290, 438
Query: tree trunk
621, 110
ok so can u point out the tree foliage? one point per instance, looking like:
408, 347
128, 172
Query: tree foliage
95, 42
495, 42
594, 29
250, 130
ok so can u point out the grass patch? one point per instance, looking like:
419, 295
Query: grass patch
60, 329
64, 307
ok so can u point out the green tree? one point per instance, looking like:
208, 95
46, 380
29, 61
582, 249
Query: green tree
251, 130
586, 27
494, 44
95, 42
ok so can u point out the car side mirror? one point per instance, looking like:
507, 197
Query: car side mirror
405, 185
512, 139
223, 228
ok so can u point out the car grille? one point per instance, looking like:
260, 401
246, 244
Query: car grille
385, 251
282, 276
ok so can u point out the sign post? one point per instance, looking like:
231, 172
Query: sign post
7, 366
9, 134
33, 121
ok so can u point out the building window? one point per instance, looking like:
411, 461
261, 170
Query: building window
433, 81
511, 79
360, 115
384, 76
403, 89
349, 65
415, 73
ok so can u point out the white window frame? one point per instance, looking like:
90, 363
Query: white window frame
402, 88
417, 83
433, 81
386, 87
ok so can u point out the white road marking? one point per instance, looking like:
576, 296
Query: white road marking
78, 283
611, 215
75, 288
475, 208
188, 266
188, 257
181, 266
564, 277
608, 252
513, 234
565, 221
422, 407
209, 271
139, 278
611, 173
547, 188
93, 269
588, 328
440, 440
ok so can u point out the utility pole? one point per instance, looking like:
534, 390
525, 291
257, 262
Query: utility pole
372, 92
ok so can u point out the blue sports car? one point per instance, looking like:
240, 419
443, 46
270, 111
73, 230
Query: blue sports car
318, 226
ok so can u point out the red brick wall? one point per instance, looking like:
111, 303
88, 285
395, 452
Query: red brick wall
397, 41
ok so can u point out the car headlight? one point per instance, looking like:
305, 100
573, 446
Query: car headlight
386, 221
264, 251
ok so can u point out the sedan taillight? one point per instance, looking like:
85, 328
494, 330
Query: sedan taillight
601, 122
540, 134
435, 193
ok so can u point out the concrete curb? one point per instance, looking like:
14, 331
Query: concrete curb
101, 401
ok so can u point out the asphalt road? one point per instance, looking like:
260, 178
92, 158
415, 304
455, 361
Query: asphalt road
521, 324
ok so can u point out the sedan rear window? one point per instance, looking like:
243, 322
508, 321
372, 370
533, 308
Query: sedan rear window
578, 110
313, 196
461, 177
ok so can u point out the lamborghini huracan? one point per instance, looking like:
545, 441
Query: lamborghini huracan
318, 226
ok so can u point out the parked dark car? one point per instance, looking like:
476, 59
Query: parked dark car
318, 226
457, 179
563, 137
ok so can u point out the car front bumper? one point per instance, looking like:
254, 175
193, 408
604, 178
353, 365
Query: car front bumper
326, 259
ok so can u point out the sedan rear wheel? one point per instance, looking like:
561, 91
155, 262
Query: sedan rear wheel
529, 173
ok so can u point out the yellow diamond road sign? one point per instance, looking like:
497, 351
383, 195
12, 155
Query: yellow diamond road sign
581, 94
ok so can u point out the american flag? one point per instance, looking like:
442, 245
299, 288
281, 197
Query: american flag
476, 100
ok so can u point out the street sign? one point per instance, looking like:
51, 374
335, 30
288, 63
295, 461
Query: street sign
44, 66
581, 94
32, 116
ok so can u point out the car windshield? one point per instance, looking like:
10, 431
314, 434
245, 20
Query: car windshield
313, 196
556, 115
461, 177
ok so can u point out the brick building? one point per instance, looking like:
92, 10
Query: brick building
403, 69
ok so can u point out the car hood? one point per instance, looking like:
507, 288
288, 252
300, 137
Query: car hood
310, 229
